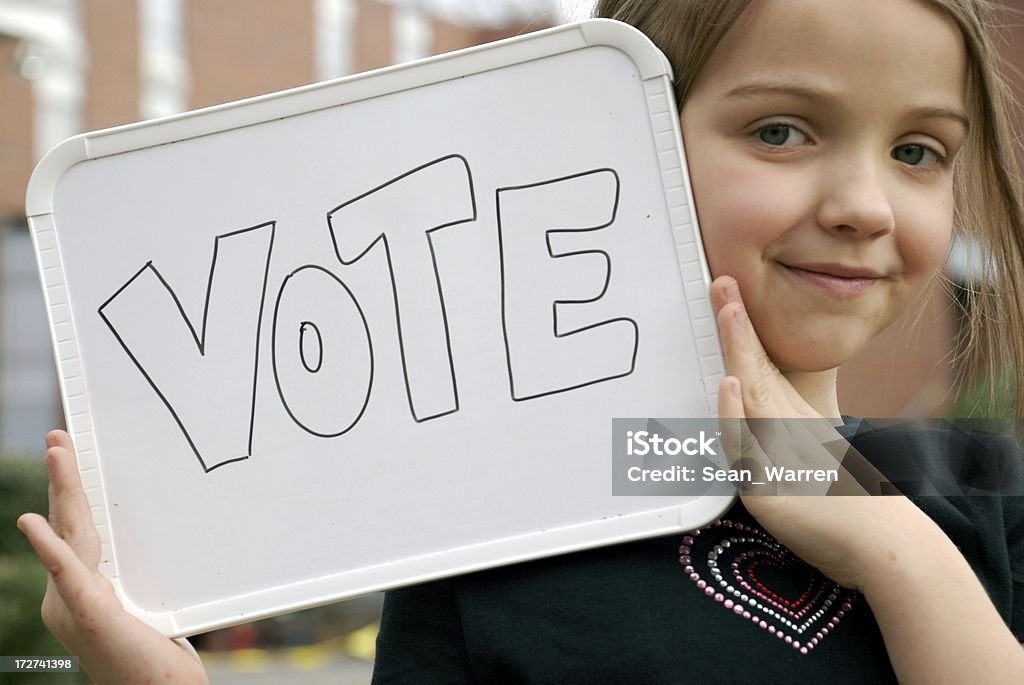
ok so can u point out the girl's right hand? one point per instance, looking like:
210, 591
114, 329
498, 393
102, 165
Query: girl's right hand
80, 607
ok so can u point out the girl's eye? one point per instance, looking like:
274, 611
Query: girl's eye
916, 155
778, 135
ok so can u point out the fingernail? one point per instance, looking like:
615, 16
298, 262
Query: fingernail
741, 317
732, 292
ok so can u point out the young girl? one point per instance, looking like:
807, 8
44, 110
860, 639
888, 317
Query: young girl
825, 139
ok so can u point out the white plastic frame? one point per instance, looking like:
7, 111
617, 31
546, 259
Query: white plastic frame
656, 72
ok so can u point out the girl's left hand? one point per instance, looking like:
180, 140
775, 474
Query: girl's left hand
844, 537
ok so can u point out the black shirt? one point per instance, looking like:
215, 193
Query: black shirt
658, 611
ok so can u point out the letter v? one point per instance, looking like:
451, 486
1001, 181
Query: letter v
207, 380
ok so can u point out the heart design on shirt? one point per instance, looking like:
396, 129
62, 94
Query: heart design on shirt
754, 576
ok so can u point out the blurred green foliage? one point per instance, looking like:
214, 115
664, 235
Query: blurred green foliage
22, 577
22, 488
987, 398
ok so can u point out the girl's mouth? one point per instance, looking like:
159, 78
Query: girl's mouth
835, 279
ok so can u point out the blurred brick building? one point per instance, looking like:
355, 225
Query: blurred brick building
68, 66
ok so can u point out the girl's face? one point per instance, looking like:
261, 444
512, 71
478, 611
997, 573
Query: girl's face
820, 138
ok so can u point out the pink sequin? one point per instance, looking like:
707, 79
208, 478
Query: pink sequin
754, 559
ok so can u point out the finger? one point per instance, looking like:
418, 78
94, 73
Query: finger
59, 438
730, 416
744, 355
67, 572
70, 515
737, 439
743, 359
68, 496
724, 289
742, 448
730, 401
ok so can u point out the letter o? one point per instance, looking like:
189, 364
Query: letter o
329, 397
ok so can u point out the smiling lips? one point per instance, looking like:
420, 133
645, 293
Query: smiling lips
836, 279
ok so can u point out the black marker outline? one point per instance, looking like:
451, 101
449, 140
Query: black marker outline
382, 237
555, 303
201, 341
273, 352
302, 349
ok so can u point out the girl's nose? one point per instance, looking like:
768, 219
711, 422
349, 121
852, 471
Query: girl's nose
854, 201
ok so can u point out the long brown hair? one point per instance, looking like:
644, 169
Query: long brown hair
988, 210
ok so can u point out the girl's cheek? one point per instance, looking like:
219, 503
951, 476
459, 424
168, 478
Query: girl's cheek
924, 230
742, 208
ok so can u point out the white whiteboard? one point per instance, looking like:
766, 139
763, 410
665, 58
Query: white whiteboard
373, 331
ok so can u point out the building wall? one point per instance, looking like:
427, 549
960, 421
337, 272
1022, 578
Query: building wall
112, 81
16, 153
374, 38
449, 35
26, 403
241, 48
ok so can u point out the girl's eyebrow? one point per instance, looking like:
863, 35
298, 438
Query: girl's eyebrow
941, 113
761, 89
823, 98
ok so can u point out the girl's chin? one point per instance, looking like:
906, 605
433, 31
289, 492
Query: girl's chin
813, 344
817, 359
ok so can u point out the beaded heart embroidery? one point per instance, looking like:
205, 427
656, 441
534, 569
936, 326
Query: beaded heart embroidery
750, 573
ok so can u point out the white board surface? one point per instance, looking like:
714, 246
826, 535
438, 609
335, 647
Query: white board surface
373, 331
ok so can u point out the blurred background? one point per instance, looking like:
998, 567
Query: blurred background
68, 66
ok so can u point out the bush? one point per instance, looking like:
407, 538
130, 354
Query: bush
22, 488
22, 577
